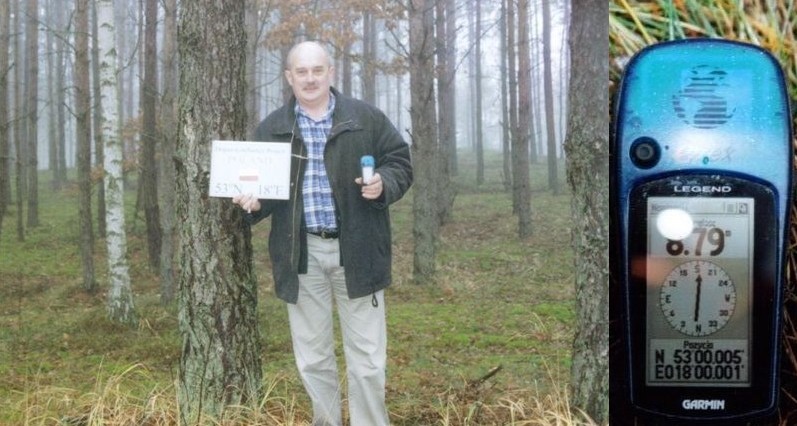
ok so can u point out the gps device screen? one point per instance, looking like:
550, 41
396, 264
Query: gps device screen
699, 273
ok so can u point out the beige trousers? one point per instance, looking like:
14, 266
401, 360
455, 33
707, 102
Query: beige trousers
364, 341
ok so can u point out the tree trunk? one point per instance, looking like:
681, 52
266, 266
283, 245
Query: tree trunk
587, 151
536, 91
121, 46
506, 134
52, 116
514, 128
470, 5
60, 98
399, 102
252, 98
20, 130
127, 93
550, 124
32, 75
99, 149
478, 115
346, 74
447, 113
149, 136
120, 293
534, 142
55, 93
369, 58
168, 136
564, 73
520, 148
424, 143
83, 129
5, 146
220, 363
451, 90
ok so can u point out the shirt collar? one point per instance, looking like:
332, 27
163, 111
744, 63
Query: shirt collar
330, 109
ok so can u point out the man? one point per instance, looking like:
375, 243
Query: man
331, 239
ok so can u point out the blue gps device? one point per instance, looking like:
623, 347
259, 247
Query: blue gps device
701, 180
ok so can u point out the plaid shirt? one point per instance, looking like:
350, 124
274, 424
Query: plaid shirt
319, 206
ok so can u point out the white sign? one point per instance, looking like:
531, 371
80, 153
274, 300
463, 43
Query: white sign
258, 168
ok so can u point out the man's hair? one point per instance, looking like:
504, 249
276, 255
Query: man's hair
297, 46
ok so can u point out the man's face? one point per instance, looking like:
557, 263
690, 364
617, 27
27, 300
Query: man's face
310, 76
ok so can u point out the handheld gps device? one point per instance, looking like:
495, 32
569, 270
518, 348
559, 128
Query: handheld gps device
701, 186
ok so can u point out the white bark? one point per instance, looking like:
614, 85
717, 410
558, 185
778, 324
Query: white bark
120, 295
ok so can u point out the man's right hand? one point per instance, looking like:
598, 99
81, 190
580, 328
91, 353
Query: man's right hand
248, 202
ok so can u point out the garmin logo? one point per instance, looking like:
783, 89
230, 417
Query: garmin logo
703, 404
703, 189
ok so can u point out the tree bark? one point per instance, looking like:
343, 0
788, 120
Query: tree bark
99, 148
120, 294
368, 75
32, 75
83, 130
536, 115
478, 114
550, 124
60, 98
253, 37
446, 100
424, 138
346, 70
52, 116
168, 134
587, 149
506, 134
514, 128
149, 135
5, 146
20, 130
451, 90
220, 363
520, 143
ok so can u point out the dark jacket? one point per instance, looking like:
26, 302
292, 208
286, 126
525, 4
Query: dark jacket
365, 242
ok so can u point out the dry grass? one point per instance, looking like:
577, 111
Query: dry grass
111, 403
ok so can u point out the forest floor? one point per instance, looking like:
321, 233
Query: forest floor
498, 305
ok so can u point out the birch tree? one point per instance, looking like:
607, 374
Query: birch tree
120, 295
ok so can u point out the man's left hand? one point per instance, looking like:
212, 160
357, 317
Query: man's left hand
373, 190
